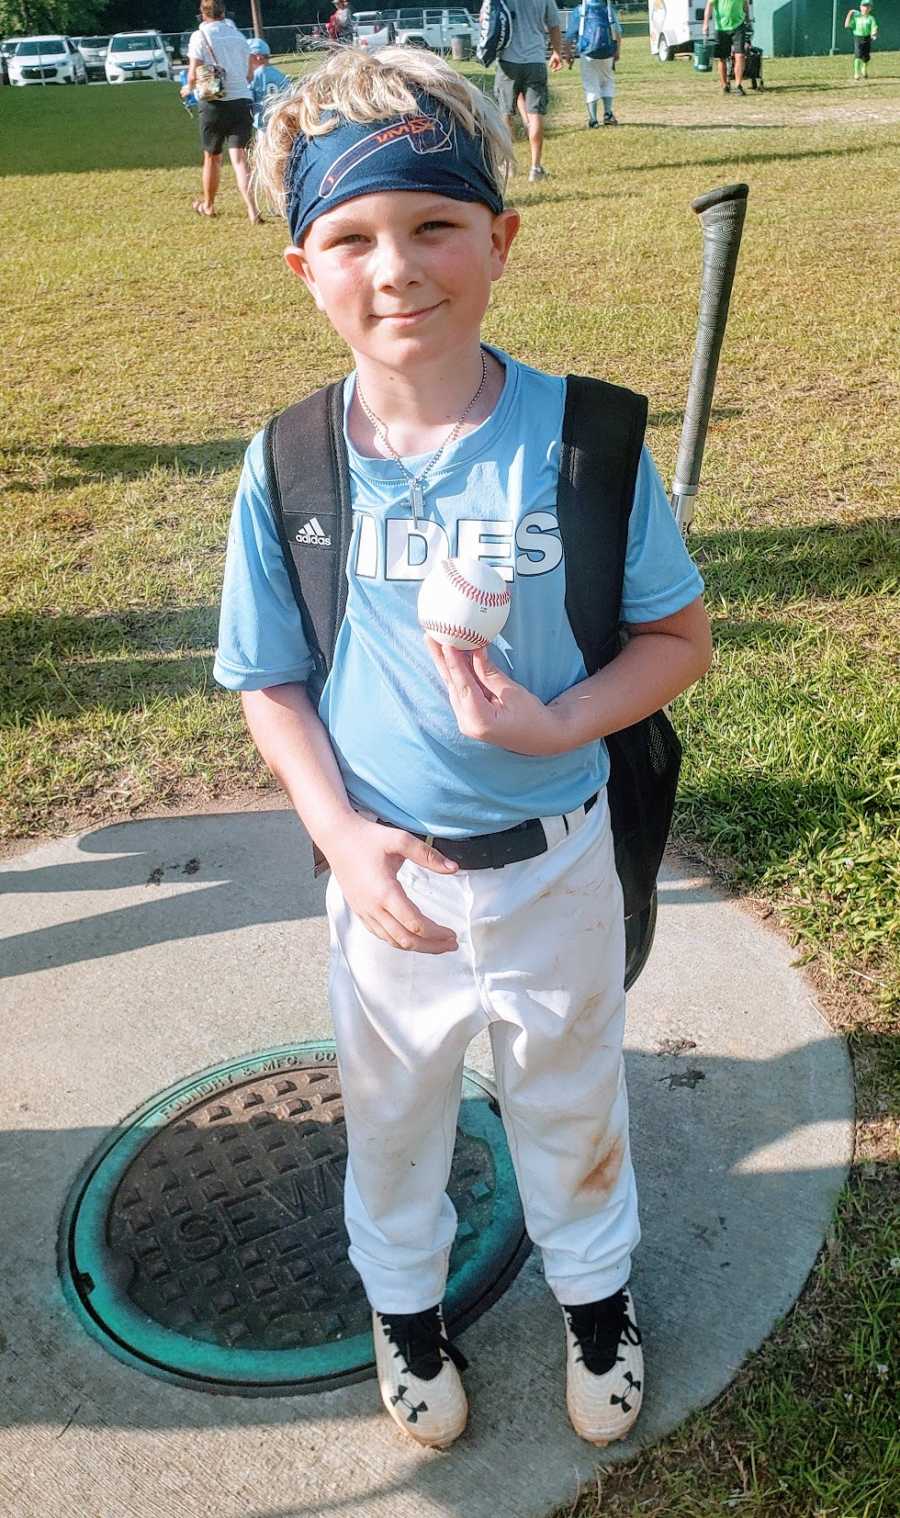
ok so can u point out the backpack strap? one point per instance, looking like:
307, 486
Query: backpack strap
307, 477
603, 432
602, 437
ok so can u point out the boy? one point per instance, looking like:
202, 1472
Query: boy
267, 80
414, 753
598, 78
864, 29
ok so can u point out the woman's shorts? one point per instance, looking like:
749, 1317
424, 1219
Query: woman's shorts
730, 42
224, 121
528, 79
862, 48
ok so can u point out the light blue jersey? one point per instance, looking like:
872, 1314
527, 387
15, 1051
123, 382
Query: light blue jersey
492, 497
267, 82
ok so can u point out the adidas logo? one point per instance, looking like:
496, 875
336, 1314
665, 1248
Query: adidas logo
313, 532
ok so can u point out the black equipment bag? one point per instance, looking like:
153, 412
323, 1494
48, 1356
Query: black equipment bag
307, 478
753, 66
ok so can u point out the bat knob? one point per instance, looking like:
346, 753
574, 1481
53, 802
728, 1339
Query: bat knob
718, 197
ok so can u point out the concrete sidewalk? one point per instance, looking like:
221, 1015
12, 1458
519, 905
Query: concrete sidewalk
137, 954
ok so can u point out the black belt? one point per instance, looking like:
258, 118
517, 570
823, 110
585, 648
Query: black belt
491, 851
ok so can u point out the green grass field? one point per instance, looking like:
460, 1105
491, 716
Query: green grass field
143, 347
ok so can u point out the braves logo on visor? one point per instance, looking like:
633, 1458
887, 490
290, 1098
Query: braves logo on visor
423, 134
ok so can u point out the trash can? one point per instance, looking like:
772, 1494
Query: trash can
461, 47
703, 56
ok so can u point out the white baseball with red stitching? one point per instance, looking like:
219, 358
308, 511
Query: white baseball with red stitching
463, 603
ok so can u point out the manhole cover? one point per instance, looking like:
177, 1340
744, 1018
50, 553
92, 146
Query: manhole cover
204, 1242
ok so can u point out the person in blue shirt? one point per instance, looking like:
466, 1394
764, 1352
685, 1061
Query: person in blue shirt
595, 21
267, 80
418, 765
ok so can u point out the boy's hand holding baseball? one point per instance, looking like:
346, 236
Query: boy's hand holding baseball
366, 857
492, 708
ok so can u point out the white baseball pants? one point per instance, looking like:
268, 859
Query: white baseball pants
540, 963
598, 78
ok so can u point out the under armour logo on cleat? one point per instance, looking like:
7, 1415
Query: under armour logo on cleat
633, 1386
414, 1409
313, 532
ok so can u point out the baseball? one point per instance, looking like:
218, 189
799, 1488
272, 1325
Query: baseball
463, 603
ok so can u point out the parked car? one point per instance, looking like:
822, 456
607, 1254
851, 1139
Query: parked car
435, 29
372, 29
7, 48
136, 55
414, 27
46, 60
93, 50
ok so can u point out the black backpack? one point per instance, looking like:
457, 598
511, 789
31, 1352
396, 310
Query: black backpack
307, 477
495, 21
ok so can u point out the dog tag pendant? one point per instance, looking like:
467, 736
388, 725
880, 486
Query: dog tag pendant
416, 499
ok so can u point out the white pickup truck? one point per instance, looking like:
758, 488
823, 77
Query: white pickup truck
434, 29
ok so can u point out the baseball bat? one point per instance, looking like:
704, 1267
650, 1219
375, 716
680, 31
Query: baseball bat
721, 214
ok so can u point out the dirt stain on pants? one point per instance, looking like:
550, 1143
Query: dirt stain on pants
602, 1178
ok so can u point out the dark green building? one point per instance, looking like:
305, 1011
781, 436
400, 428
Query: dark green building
791, 28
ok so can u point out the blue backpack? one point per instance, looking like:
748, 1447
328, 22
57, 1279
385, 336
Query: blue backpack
495, 22
596, 35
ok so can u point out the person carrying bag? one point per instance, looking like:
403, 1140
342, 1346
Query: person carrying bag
219, 74
210, 77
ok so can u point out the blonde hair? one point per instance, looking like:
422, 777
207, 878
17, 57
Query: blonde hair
354, 85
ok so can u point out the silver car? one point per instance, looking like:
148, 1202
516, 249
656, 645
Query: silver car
93, 50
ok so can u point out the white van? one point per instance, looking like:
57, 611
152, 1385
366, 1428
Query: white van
675, 25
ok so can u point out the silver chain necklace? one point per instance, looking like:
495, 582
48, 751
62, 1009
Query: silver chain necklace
416, 481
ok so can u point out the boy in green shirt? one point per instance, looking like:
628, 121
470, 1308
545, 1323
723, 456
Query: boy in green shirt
864, 28
731, 19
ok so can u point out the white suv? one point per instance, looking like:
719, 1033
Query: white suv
46, 60
136, 55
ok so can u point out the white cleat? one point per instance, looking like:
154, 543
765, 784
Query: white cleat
604, 1368
418, 1375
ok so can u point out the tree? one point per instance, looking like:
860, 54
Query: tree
21, 18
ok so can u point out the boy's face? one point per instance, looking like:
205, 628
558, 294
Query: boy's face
405, 276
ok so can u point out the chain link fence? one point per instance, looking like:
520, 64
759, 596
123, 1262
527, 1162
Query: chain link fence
312, 37
283, 40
